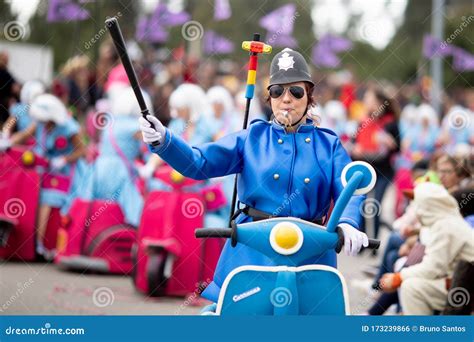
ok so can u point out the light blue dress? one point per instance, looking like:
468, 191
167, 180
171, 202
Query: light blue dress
423, 140
113, 175
422, 144
459, 135
20, 112
58, 143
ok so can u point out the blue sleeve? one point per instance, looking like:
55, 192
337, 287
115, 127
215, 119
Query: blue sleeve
352, 213
215, 159
72, 127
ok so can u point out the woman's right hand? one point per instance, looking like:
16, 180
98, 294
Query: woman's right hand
151, 135
284, 118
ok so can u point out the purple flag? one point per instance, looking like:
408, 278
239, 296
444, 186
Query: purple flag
324, 57
222, 10
462, 60
65, 10
324, 53
216, 44
335, 43
163, 17
280, 20
433, 47
282, 40
149, 32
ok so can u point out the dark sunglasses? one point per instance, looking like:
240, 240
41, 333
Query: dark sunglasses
277, 90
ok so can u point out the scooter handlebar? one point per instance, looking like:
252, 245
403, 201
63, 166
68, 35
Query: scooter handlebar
227, 233
373, 244
213, 233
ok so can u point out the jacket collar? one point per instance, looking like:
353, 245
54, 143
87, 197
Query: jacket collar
305, 127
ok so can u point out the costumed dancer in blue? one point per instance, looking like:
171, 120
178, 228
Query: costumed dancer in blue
113, 175
193, 123
58, 139
286, 167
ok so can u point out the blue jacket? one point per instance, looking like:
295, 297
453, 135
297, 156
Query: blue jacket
280, 173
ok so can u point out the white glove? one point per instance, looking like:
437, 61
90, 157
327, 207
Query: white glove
353, 239
5, 144
57, 163
146, 171
151, 135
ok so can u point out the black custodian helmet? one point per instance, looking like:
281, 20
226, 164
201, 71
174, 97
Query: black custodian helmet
289, 66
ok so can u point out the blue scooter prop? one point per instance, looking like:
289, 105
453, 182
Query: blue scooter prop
292, 287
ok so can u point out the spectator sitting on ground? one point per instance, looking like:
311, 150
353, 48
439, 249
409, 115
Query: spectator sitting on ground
405, 226
424, 287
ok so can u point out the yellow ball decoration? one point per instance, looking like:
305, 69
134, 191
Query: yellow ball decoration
210, 196
176, 176
28, 158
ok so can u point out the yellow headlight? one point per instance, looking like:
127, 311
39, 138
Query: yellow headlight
286, 238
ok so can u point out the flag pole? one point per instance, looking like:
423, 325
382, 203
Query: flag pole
254, 47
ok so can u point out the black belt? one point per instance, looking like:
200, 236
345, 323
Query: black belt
258, 215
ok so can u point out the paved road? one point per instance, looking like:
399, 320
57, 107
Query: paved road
42, 289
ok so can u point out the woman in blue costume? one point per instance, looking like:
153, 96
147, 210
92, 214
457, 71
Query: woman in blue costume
192, 121
58, 139
113, 174
286, 167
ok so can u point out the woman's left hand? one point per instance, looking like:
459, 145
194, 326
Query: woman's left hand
353, 239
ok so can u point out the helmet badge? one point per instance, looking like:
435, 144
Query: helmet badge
286, 61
